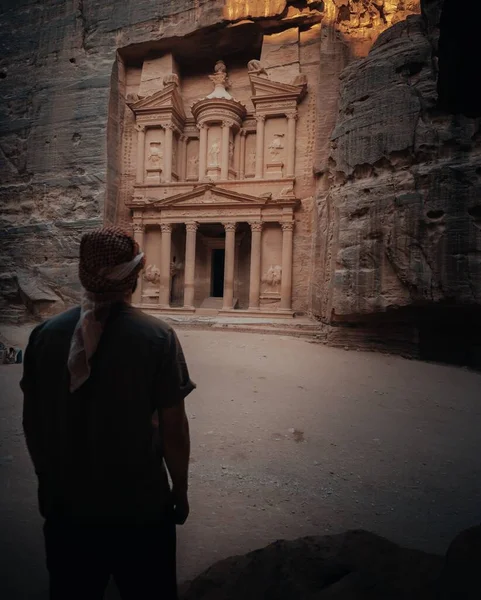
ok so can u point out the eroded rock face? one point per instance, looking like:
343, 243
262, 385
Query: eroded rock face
401, 216
356, 564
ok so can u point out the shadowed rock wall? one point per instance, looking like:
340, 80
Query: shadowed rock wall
399, 213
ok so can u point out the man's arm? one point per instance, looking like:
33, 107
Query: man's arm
175, 385
176, 440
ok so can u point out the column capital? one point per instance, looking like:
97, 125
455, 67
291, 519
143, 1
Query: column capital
137, 226
230, 226
256, 225
201, 126
166, 227
139, 128
227, 123
260, 118
192, 226
292, 115
288, 226
243, 132
170, 126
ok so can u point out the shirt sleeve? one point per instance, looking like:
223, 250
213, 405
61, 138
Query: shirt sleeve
174, 382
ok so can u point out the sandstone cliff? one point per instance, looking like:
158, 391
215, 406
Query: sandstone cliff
399, 216
397, 220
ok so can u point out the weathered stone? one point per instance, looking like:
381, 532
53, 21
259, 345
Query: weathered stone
400, 217
356, 564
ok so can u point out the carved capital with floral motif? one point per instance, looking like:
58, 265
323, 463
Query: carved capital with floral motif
192, 226
288, 226
256, 225
165, 227
230, 226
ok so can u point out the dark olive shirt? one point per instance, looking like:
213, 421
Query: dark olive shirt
95, 450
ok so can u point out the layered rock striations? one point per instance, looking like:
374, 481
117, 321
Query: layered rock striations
399, 215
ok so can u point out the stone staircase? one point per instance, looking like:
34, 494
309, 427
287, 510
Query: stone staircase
300, 327
211, 306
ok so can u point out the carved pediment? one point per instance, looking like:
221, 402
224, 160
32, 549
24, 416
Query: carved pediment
263, 88
209, 194
166, 100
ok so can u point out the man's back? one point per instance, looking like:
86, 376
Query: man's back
95, 452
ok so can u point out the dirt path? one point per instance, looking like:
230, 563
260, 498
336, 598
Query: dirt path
292, 439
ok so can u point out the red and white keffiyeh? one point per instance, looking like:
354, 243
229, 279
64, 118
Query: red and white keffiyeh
110, 261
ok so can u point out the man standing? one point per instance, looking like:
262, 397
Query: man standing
104, 388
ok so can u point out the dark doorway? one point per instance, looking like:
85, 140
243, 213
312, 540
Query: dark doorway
218, 261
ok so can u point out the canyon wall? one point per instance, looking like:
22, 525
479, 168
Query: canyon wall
399, 210
397, 221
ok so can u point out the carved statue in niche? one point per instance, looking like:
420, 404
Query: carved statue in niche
155, 154
273, 278
152, 275
214, 154
193, 167
174, 154
231, 153
251, 162
276, 145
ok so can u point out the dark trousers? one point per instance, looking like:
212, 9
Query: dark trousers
81, 558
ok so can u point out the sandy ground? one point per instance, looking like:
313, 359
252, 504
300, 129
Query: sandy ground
289, 439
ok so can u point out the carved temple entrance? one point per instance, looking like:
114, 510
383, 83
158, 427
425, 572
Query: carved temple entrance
214, 202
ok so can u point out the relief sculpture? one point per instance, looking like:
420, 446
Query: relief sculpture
276, 145
214, 154
155, 154
251, 162
152, 275
193, 167
273, 278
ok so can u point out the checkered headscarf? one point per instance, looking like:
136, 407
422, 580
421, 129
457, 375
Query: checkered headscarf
110, 261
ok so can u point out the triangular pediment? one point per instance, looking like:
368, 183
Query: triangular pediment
209, 194
262, 86
164, 100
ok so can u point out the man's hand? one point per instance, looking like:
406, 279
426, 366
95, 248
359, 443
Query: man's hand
181, 507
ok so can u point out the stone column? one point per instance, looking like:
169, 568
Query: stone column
165, 251
202, 151
229, 266
224, 165
189, 274
291, 143
139, 238
168, 148
242, 154
140, 153
255, 279
260, 146
286, 283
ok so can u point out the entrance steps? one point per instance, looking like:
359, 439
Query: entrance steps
212, 304
300, 327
